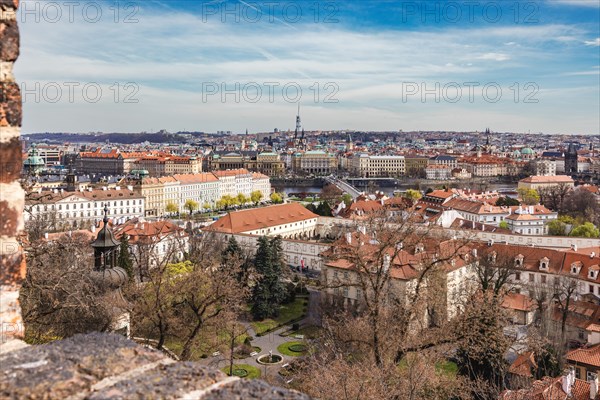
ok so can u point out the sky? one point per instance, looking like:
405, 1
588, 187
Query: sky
232, 65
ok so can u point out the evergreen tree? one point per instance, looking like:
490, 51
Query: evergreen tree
124, 260
232, 249
233, 256
324, 210
269, 291
311, 207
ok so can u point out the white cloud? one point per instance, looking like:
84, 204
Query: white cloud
494, 57
595, 42
170, 54
576, 3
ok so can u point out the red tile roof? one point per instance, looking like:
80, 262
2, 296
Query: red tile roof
261, 218
589, 356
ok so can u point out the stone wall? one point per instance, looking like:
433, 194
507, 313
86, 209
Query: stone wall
108, 366
12, 264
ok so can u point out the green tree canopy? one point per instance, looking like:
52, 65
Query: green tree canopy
529, 196
503, 225
191, 205
587, 230
276, 198
412, 194
268, 292
172, 208
557, 228
242, 199
124, 260
347, 199
323, 209
507, 201
256, 196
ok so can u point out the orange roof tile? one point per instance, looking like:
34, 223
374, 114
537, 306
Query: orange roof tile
261, 218
589, 356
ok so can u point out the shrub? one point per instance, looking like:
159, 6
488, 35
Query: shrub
297, 348
295, 326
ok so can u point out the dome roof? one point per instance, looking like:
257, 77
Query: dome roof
105, 238
114, 277
526, 150
33, 160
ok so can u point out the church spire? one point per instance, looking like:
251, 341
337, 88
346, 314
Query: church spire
298, 123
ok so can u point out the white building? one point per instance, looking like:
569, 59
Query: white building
368, 166
262, 183
202, 188
84, 208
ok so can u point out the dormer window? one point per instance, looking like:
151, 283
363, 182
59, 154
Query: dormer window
576, 267
492, 256
593, 272
519, 260
419, 248
544, 262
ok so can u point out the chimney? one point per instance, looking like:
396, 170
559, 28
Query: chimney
474, 251
362, 229
592, 254
574, 247
531, 210
46, 235
93, 228
348, 237
568, 381
594, 388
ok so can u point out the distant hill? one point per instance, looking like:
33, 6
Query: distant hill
123, 138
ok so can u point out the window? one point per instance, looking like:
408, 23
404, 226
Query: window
592, 289
581, 335
518, 276
543, 278
531, 278
345, 292
590, 376
358, 294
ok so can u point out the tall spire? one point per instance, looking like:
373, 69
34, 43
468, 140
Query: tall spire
105, 219
298, 123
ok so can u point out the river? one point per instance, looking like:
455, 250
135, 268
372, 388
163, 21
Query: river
504, 188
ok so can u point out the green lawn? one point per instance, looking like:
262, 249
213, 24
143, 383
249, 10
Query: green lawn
205, 344
287, 313
285, 349
251, 371
447, 367
309, 331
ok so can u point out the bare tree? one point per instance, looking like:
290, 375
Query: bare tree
60, 296
565, 290
493, 272
392, 318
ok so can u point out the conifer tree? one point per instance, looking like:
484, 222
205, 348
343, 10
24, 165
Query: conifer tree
124, 260
268, 291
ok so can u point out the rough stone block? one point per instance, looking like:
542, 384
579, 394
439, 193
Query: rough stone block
11, 162
9, 3
12, 264
250, 390
60, 369
10, 104
9, 40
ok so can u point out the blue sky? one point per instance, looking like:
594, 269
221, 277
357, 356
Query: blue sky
526, 66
